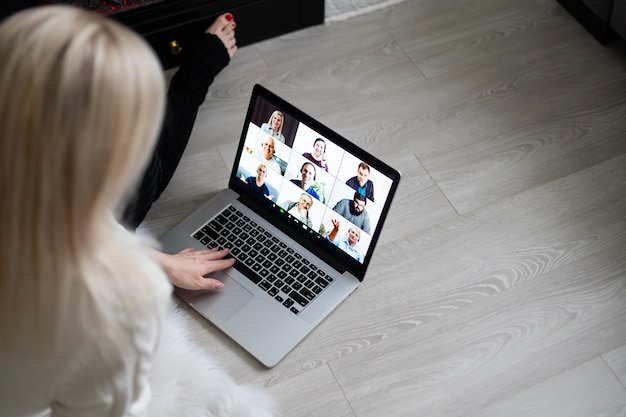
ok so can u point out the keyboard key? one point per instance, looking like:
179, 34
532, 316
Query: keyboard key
219, 219
298, 298
247, 272
321, 282
307, 294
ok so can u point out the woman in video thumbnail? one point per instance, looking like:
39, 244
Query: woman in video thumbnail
274, 126
318, 156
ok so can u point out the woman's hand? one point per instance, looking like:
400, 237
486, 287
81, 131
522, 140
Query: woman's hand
188, 269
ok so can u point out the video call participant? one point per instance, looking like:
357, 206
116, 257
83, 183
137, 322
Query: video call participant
318, 156
361, 181
266, 153
348, 242
354, 211
300, 209
274, 126
257, 184
308, 177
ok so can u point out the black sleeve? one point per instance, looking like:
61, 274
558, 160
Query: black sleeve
187, 91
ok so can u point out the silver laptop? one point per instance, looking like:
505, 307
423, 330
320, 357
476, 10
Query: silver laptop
301, 215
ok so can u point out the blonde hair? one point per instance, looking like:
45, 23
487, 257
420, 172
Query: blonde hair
282, 120
81, 101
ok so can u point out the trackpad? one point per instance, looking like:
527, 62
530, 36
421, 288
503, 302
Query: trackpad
223, 303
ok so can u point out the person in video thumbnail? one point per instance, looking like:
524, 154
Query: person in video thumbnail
266, 153
274, 126
354, 211
361, 181
308, 177
348, 242
257, 183
300, 209
318, 156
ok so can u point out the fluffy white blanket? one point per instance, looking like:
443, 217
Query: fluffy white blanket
187, 382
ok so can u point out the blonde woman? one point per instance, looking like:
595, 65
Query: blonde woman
81, 298
274, 126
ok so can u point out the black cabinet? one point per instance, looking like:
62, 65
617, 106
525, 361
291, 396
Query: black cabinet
173, 27
602, 18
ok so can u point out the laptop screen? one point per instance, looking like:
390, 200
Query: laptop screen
329, 194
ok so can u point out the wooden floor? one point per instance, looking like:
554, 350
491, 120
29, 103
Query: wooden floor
499, 285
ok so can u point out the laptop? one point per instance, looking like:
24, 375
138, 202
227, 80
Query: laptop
301, 215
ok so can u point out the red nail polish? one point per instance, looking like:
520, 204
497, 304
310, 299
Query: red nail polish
229, 17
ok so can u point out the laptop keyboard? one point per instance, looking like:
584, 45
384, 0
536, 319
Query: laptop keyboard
271, 264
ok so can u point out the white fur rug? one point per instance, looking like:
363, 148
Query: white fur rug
338, 10
187, 382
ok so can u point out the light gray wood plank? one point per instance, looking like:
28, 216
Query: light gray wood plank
616, 360
587, 390
528, 156
440, 39
478, 354
316, 394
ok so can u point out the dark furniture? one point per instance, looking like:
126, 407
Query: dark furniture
172, 26
602, 18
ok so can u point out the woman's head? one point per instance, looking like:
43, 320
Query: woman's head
319, 147
261, 171
81, 101
276, 120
